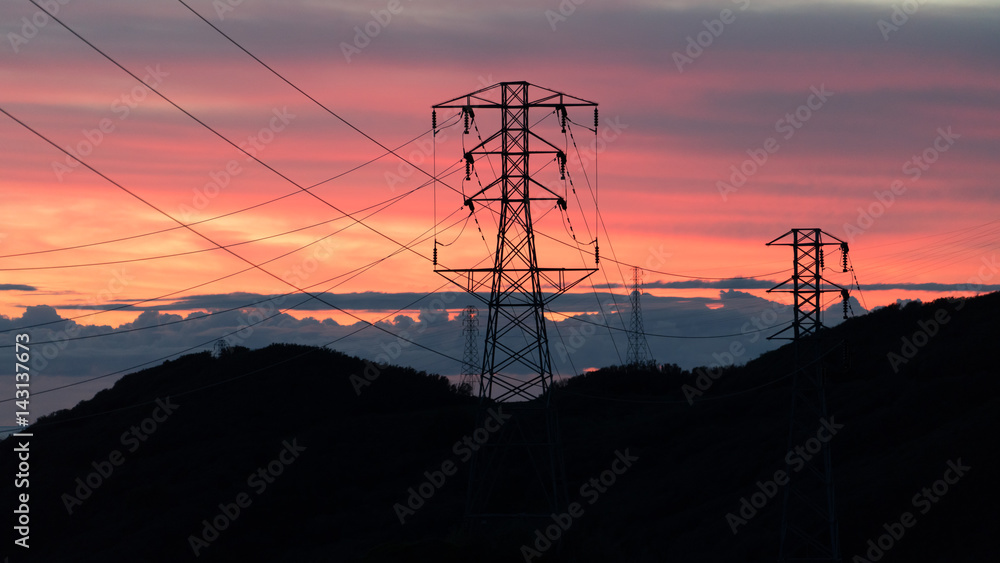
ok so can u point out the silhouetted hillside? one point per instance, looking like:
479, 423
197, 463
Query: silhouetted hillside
319, 467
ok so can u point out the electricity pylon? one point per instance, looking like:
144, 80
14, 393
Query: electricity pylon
637, 344
809, 528
518, 291
470, 363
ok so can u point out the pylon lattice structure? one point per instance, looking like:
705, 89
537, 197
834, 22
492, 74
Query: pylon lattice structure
809, 527
470, 363
515, 375
638, 348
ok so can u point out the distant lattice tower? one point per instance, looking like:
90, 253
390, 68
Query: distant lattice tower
638, 348
471, 360
809, 527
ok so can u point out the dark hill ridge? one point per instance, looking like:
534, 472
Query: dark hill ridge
318, 468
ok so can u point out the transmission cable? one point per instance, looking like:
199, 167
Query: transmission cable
387, 203
231, 213
447, 172
235, 145
351, 273
215, 339
578, 319
301, 91
234, 254
172, 293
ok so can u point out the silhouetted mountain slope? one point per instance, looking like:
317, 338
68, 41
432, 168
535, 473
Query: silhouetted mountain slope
193, 434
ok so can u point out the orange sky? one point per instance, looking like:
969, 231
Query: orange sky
668, 138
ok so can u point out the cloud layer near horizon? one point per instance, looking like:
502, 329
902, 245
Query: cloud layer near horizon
688, 332
787, 114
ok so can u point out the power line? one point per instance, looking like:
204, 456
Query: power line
231, 143
170, 294
939, 255
241, 258
231, 213
299, 90
388, 203
655, 335
621, 263
209, 342
385, 205
895, 242
355, 272
388, 151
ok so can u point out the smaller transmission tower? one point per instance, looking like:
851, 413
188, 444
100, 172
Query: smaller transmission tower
638, 348
471, 359
809, 528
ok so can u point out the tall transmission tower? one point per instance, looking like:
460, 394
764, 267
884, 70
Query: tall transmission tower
470, 363
516, 371
809, 528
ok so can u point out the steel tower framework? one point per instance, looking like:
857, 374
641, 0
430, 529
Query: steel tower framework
637, 344
809, 527
470, 330
518, 291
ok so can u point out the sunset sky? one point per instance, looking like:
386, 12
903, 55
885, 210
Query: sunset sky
878, 122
